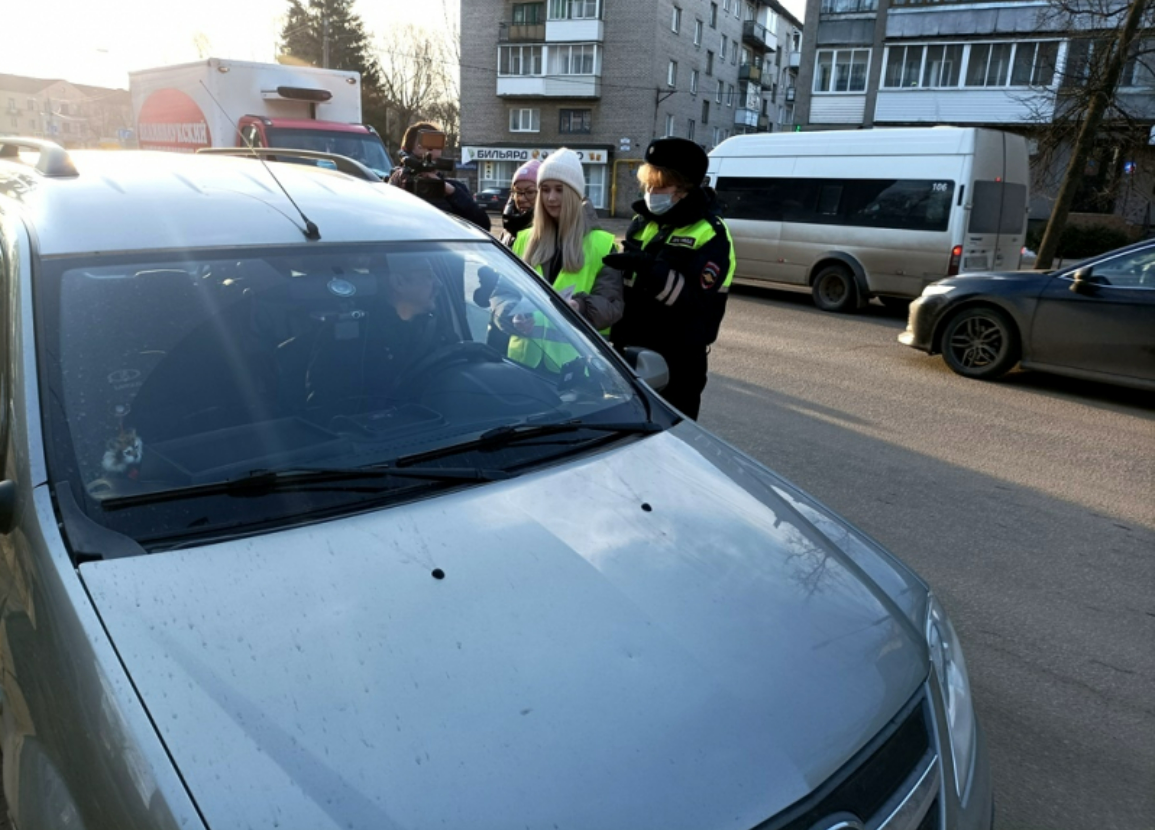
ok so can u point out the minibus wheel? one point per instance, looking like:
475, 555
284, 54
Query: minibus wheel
834, 289
980, 342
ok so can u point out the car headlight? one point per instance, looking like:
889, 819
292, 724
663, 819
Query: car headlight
955, 687
933, 289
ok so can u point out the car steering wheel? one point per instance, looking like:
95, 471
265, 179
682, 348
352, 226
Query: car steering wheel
466, 351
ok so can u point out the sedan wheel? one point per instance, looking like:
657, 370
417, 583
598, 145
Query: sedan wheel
980, 343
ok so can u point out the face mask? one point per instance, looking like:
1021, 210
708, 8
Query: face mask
659, 203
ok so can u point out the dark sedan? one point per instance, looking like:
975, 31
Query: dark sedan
493, 198
1094, 320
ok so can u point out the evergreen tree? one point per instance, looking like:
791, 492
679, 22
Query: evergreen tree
329, 33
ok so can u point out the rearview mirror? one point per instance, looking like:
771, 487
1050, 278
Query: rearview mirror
649, 366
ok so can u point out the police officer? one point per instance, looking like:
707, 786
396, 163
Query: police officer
678, 263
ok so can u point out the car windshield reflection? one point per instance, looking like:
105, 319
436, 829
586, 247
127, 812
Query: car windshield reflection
211, 366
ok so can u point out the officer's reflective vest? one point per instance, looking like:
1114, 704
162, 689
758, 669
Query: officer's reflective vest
545, 344
690, 237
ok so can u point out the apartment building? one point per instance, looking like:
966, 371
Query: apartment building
997, 63
605, 77
75, 115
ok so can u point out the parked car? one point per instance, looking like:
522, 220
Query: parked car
285, 543
493, 198
1094, 319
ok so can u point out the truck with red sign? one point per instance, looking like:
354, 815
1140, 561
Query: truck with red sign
227, 103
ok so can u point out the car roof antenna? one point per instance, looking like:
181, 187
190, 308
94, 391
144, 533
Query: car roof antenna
310, 230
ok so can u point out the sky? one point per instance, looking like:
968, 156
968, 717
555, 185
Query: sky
99, 41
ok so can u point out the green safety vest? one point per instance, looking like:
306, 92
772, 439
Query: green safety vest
700, 232
545, 344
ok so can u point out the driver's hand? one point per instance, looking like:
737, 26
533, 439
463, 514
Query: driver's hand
523, 323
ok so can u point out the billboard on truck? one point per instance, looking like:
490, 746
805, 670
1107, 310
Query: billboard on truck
225, 103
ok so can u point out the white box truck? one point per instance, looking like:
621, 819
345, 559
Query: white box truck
227, 103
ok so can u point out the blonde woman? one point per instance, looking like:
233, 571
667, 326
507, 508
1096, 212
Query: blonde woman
564, 245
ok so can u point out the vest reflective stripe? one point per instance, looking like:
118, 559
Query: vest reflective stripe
701, 232
544, 344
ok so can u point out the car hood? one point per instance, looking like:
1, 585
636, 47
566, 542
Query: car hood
1001, 280
632, 639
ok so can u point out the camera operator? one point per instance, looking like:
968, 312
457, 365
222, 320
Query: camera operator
422, 172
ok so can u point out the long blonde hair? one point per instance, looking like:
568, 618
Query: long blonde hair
571, 226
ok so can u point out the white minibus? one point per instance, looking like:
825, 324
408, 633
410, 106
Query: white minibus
855, 214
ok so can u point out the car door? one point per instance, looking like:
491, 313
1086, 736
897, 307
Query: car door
1106, 327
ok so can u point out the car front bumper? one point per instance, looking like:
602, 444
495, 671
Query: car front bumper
925, 313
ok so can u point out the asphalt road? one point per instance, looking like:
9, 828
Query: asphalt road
1027, 504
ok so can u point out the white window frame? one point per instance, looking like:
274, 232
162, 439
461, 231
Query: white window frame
672, 75
730, 95
693, 81
722, 50
1139, 69
525, 55
720, 91
676, 21
698, 27
834, 63
669, 126
561, 58
574, 10
525, 120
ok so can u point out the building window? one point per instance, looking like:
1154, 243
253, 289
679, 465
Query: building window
1139, 71
575, 121
903, 66
706, 111
574, 9
676, 22
16, 122
709, 62
528, 14
730, 96
31, 105
942, 65
519, 60
713, 15
672, 74
690, 129
693, 81
525, 121
719, 92
717, 136
722, 51
698, 33
841, 70
575, 59
1034, 64
669, 125
595, 175
989, 64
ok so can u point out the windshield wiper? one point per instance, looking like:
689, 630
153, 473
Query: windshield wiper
503, 436
261, 482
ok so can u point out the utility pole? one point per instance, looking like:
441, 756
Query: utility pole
325, 44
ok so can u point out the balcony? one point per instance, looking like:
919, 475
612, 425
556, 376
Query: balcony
549, 86
746, 118
750, 72
754, 35
790, 94
795, 61
517, 32
574, 31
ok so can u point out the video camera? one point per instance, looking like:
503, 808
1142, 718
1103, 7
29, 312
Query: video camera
413, 166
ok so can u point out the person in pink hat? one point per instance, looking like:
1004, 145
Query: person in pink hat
518, 212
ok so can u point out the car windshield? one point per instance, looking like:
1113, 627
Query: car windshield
172, 372
364, 147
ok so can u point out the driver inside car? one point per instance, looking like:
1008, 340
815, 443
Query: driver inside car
409, 322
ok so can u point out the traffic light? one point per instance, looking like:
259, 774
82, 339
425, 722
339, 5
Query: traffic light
797, 128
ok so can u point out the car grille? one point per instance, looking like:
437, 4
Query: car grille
886, 785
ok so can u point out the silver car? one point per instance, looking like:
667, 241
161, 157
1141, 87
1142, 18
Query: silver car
298, 533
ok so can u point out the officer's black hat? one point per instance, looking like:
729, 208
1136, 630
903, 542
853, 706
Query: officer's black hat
680, 155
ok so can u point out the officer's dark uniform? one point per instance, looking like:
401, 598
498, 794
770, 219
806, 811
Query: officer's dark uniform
676, 296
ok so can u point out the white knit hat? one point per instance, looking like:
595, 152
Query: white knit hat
563, 166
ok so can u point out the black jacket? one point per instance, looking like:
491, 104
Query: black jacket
461, 203
679, 300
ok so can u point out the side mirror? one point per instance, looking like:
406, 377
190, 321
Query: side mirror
649, 366
1084, 282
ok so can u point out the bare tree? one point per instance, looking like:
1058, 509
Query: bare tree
1091, 123
418, 80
